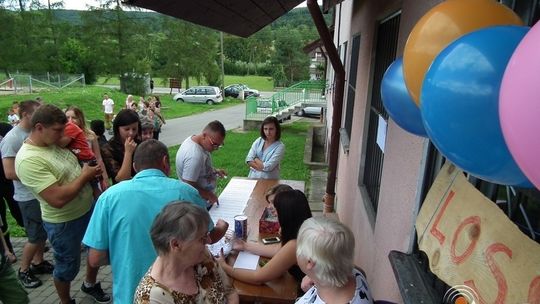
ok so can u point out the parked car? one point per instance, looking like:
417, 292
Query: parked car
264, 106
203, 94
310, 111
233, 90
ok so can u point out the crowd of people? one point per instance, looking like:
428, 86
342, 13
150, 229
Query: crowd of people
114, 198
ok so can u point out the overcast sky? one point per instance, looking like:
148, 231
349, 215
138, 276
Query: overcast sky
82, 4
76, 4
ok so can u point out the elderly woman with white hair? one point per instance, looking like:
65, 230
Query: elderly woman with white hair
184, 271
324, 252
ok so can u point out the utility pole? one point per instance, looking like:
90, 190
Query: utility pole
222, 63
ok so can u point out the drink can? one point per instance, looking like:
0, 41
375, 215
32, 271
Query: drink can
240, 227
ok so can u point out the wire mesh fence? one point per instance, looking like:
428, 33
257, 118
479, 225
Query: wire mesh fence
28, 83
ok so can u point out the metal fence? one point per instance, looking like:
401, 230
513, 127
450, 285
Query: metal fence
302, 94
28, 83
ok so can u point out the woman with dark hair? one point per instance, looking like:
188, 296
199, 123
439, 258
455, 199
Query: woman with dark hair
293, 209
98, 127
117, 154
83, 142
266, 151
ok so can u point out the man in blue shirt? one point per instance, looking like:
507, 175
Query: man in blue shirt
119, 230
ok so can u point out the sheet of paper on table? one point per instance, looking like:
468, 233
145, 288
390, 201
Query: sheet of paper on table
246, 260
233, 200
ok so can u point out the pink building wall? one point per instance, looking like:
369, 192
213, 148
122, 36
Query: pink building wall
392, 227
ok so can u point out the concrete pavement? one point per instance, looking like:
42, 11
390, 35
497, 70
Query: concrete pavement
46, 293
178, 129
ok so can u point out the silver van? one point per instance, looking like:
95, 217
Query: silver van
202, 94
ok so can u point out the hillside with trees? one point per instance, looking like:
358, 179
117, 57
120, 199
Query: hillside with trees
112, 41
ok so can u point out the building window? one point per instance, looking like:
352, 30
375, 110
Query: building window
351, 92
528, 10
343, 54
385, 54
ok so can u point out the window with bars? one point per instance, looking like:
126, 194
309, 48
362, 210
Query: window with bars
351, 93
385, 53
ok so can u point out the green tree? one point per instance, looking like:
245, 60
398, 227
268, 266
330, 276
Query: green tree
75, 57
189, 51
249, 52
117, 38
289, 54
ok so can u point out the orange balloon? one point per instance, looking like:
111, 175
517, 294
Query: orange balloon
442, 25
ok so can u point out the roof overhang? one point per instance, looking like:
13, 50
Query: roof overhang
238, 17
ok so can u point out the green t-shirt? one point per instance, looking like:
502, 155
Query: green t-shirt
40, 167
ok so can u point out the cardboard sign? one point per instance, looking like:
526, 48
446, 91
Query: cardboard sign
470, 241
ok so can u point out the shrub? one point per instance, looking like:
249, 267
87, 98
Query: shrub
135, 84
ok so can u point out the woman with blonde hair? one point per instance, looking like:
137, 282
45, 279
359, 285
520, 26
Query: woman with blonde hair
129, 101
76, 116
324, 251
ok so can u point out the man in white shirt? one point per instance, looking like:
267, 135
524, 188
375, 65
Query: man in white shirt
108, 109
194, 163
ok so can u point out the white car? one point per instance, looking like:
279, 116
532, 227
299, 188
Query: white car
202, 94
264, 106
310, 111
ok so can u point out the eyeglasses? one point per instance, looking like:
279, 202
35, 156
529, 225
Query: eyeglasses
214, 145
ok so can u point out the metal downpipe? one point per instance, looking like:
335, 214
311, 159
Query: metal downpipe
339, 71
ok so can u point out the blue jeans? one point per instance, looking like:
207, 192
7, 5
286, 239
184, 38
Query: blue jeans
31, 212
66, 240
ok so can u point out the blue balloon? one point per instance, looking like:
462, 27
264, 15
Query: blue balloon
397, 101
459, 102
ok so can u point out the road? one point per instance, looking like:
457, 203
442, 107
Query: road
178, 129
162, 90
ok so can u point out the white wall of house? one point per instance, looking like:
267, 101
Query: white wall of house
392, 227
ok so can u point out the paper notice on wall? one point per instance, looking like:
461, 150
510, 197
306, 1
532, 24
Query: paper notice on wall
381, 133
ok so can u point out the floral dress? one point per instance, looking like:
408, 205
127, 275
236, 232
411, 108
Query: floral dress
214, 287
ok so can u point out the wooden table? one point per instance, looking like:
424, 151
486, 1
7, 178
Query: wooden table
283, 289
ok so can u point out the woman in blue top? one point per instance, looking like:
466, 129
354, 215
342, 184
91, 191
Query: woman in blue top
266, 151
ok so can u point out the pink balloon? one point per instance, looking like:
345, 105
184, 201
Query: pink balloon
519, 105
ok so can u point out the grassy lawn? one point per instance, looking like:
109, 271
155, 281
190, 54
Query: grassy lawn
261, 83
89, 99
237, 143
232, 158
